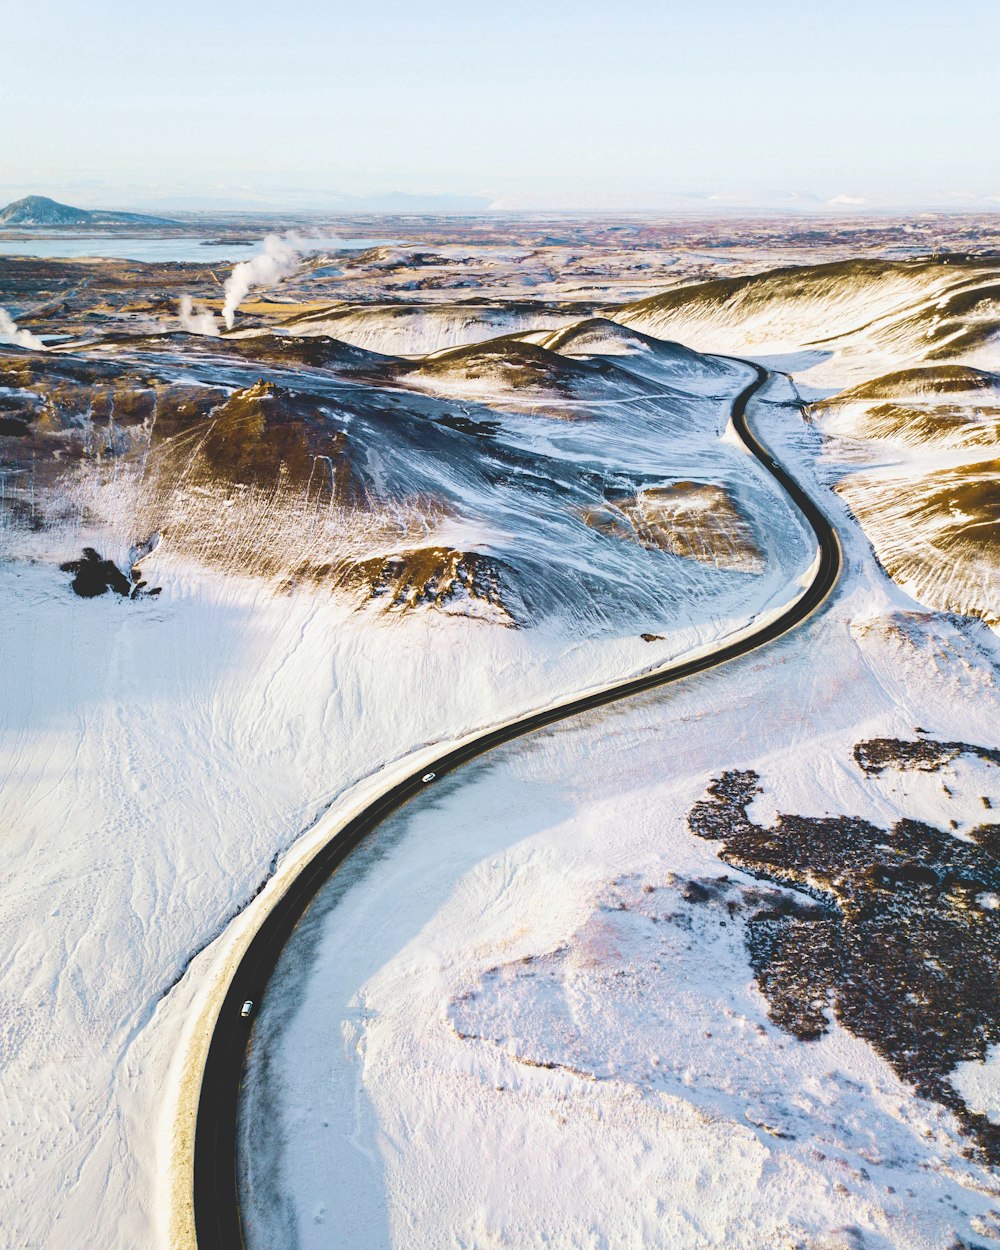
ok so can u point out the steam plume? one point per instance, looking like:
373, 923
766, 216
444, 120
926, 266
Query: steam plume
278, 259
197, 320
9, 333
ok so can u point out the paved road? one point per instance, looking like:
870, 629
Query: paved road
216, 1202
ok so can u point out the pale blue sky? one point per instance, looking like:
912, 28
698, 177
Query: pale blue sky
534, 103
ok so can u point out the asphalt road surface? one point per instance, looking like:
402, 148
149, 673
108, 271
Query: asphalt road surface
218, 1221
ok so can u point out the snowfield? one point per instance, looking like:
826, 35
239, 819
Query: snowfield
161, 757
525, 1012
156, 758
512, 1020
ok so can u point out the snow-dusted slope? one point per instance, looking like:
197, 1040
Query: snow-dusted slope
934, 408
920, 448
912, 350
936, 530
863, 317
419, 329
301, 466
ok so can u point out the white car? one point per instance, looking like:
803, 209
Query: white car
246, 1009
428, 777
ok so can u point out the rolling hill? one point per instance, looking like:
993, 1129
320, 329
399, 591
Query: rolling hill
39, 210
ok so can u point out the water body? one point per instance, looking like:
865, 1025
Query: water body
149, 248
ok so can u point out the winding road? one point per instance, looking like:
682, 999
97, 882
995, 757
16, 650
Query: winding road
218, 1222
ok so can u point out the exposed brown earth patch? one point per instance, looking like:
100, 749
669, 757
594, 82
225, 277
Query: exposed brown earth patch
696, 520
434, 577
457, 582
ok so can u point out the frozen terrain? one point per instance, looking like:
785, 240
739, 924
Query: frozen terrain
340, 577
552, 1032
419, 490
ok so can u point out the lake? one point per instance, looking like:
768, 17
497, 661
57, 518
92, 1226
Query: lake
149, 248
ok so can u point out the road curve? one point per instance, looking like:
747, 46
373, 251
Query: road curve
218, 1223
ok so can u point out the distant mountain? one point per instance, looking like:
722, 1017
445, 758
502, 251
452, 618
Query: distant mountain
39, 210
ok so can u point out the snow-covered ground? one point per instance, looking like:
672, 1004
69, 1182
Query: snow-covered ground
414, 1082
161, 757
156, 757
508, 1021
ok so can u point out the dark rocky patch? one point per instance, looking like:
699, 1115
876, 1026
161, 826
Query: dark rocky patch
464, 425
93, 576
316, 352
927, 756
897, 946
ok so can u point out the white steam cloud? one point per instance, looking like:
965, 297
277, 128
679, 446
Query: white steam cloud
9, 333
197, 320
278, 260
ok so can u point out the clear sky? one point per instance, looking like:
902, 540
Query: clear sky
532, 103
